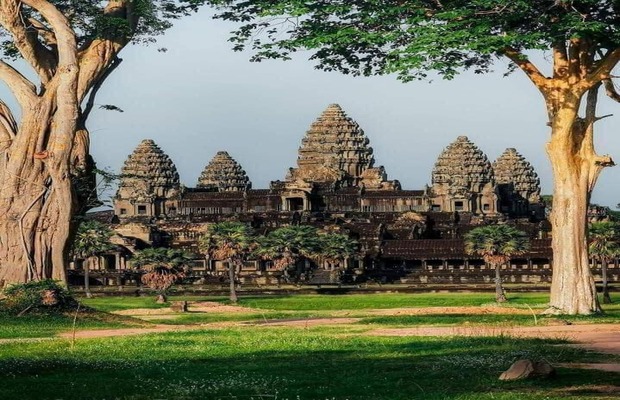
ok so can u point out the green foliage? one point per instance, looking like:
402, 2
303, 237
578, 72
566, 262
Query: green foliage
496, 243
604, 243
44, 297
162, 267
289, 244
335, 247
92, 239
410, 38
90, 20
228, 241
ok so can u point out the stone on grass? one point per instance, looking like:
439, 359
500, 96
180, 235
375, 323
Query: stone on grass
524, 369
179, 306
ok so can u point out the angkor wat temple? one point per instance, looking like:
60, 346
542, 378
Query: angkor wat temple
414, 236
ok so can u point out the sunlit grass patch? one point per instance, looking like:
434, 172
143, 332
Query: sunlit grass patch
118, 303
385, 301
257, 362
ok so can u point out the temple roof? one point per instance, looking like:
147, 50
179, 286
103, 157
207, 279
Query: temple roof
334, 147
461, 165
224, 174
443, 249
148, 172
512, 168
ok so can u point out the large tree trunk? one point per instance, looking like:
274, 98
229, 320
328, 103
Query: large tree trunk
575, 170
37, 199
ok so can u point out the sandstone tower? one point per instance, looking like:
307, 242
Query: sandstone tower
224, 174
517, 182
336, 150
149, 184
463, 180
334, 154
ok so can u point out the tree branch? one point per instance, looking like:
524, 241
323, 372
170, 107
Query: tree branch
610, 90
23, 90
97, 56
604, 67
8, 126
42, 60
43, 31
93, 93
65, 37
532, 72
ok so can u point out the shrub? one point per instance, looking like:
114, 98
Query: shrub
46, 296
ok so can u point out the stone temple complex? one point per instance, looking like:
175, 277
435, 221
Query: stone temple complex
414, 236
335, 173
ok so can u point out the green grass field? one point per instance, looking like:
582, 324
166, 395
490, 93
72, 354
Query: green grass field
296, 363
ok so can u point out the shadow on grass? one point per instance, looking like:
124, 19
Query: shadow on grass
284, 364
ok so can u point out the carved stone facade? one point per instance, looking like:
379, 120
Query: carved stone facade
224, 174
149, 184
463, 180
411, 235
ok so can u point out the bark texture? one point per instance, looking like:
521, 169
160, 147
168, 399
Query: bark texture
47, 151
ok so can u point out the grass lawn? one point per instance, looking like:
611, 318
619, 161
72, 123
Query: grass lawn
388, 300
284, 363
255, 362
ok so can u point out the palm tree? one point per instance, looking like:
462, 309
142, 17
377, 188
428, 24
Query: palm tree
162, 267
334, 248
91, 240
230, 241
604, 246
286, 246
496, 244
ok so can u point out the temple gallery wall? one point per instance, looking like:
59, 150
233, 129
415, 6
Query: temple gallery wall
411, 236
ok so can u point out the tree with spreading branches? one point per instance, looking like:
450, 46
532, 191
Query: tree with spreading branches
604, 246
288, 245
413, 38
72, 47
496, 244
335, 248
232, 242
161, 268
91, 240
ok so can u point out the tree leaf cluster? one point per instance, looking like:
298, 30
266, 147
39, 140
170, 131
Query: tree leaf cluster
496, 243
237, 242
162, 267
91, 239
94, 19
45, 296
604, 240
412, 38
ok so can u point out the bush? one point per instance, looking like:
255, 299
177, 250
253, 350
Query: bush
45, 297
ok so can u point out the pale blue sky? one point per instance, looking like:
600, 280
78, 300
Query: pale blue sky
199, 97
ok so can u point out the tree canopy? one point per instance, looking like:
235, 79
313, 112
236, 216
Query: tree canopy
411, 38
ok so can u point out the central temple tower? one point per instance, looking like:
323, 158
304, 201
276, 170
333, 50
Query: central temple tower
334, 154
